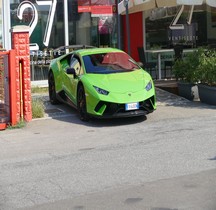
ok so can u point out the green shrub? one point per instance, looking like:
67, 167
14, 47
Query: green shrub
20, 124
38, 108
37, 89
207, 68
187, 69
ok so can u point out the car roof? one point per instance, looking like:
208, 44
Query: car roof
84, 52
87, 51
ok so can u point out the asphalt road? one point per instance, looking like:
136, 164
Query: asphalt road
166, 161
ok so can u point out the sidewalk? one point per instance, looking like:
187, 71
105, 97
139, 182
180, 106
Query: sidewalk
163, 97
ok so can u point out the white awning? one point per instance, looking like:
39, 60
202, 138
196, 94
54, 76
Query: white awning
211, 3
143, 5
122, 8
166, 3
190, 2
136, 6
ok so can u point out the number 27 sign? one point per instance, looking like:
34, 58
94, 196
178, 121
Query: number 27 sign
27, 4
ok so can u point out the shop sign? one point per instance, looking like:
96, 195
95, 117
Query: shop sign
84, 9
29, 5
186, 36
98, 10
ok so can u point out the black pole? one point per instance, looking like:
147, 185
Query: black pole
119, 35
127, 26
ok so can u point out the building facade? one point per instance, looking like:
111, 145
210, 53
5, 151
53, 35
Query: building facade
162, 24
56, 23
153, 24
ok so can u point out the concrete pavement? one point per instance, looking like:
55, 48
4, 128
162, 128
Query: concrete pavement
178, 193
165, 161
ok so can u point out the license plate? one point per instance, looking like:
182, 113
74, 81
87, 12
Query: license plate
131, 106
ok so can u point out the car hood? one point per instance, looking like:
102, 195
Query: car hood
120, 82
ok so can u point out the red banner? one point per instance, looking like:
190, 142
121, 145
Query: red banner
84, 9
106, 10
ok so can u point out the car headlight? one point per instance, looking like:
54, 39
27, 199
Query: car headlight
101, 91
149, 86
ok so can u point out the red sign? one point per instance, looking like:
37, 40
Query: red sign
101, 10
98, 10
84, 9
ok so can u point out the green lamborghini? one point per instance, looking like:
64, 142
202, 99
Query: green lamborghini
102, 83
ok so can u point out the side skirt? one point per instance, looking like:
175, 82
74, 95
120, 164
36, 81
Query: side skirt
62, 96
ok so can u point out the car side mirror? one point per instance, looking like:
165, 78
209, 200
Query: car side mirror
140, 64
71, 71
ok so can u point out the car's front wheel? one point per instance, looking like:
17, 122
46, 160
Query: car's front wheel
52, 90
81, 104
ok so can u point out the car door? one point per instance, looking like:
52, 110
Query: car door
70, 80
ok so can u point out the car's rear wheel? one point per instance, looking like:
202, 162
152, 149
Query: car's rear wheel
52, 90
81, 104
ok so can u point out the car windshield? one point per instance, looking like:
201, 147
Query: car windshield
112, 62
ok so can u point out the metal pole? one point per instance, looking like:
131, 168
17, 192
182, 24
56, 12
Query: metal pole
21, 90
127, 26
119, 42
6, 25
66, 24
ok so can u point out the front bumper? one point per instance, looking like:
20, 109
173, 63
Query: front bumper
114, 110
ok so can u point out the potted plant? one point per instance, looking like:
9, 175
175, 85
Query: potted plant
207, 77
186, 73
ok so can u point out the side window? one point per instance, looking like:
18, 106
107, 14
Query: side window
75, 63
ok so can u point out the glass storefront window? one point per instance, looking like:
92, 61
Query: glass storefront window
201, 31
90, 22
198, 30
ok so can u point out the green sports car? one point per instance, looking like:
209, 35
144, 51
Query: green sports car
101, 82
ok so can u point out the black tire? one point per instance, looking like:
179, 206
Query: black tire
52, 90
81, 104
